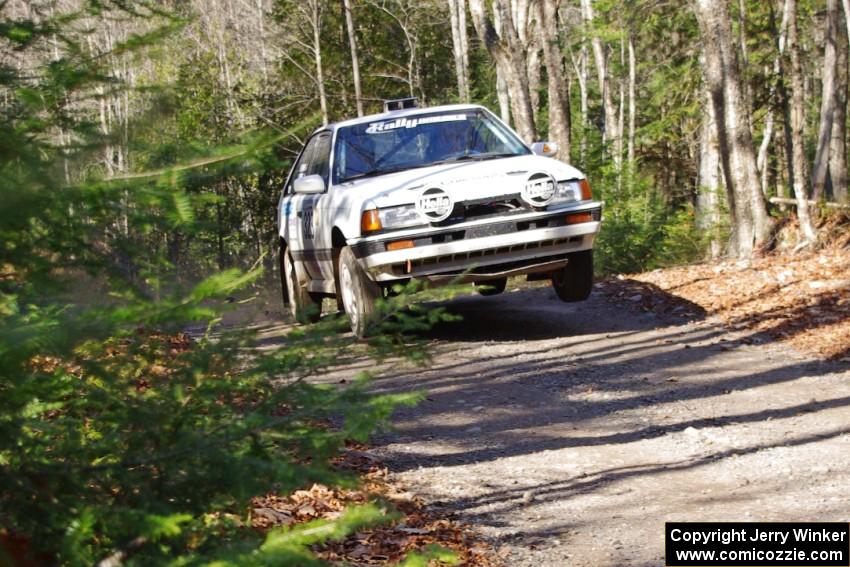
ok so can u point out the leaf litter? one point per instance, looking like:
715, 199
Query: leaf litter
417, 528
802, 299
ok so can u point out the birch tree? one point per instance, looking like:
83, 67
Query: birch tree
838, 143
314, 17
404, 14
302, 32
460, 48
355, 62
709, 180
750, 224
828, 100
499, 33
610, 131
560, 125
580, 68
798, 120
632, 100
503, 96
769, 121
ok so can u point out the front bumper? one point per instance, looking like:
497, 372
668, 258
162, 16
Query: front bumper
513, 245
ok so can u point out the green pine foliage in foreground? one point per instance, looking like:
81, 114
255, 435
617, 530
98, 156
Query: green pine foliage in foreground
121, 441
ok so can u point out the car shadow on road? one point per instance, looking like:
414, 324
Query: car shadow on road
535, 314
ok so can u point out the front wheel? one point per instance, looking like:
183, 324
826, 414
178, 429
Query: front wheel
491, 287
574, 281
304, 306
359, 293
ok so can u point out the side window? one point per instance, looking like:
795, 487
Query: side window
321, 157
303, 163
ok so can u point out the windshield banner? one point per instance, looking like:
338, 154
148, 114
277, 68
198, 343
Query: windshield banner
377, 127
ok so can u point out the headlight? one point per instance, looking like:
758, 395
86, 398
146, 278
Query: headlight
400, 217
568, 192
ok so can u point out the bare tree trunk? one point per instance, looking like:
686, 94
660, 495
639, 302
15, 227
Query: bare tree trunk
580, 68
798, 121
458, 50
610, 132
464, 47
219, 28
103, 113
764, 147
781, 183
632, 99
827, 108
745, 60
742, 36
521, 107
769, 121
585, 100
784, 99
621, 108
845, 5
261, 21
708, 193
838, 145
560, 127
506, 48
316, 23
533, 70
355, 62
414, 74
751, 224
503, 96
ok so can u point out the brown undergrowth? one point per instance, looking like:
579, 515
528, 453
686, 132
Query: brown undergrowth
416, 529
802, 298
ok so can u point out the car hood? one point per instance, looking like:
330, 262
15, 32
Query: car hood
463, 181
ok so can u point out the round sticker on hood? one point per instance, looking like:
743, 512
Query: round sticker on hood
434, 204
539, 189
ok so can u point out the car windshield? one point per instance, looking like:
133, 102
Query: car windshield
389, 145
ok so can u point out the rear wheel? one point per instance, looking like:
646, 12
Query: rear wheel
359, 293
574, 281
491, 287
304, 306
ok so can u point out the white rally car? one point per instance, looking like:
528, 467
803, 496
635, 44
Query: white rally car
429, 193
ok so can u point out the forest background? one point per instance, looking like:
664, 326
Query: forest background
629, 89
143, 145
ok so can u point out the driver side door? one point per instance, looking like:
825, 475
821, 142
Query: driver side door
301, 212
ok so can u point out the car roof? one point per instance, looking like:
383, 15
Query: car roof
400, 114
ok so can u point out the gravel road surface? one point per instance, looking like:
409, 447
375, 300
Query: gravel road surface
569, 433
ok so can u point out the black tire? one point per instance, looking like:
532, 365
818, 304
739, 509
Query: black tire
574, 281
358, 292
491, 287
304, 306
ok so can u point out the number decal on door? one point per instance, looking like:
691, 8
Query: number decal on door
307, 223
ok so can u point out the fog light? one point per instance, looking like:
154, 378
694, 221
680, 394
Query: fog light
399, 245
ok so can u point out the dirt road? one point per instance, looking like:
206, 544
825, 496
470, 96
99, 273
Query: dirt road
570, 433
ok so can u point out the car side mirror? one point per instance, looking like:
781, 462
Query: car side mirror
309, 184
545, 149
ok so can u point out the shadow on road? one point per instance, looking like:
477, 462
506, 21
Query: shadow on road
570, 364
534, 314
